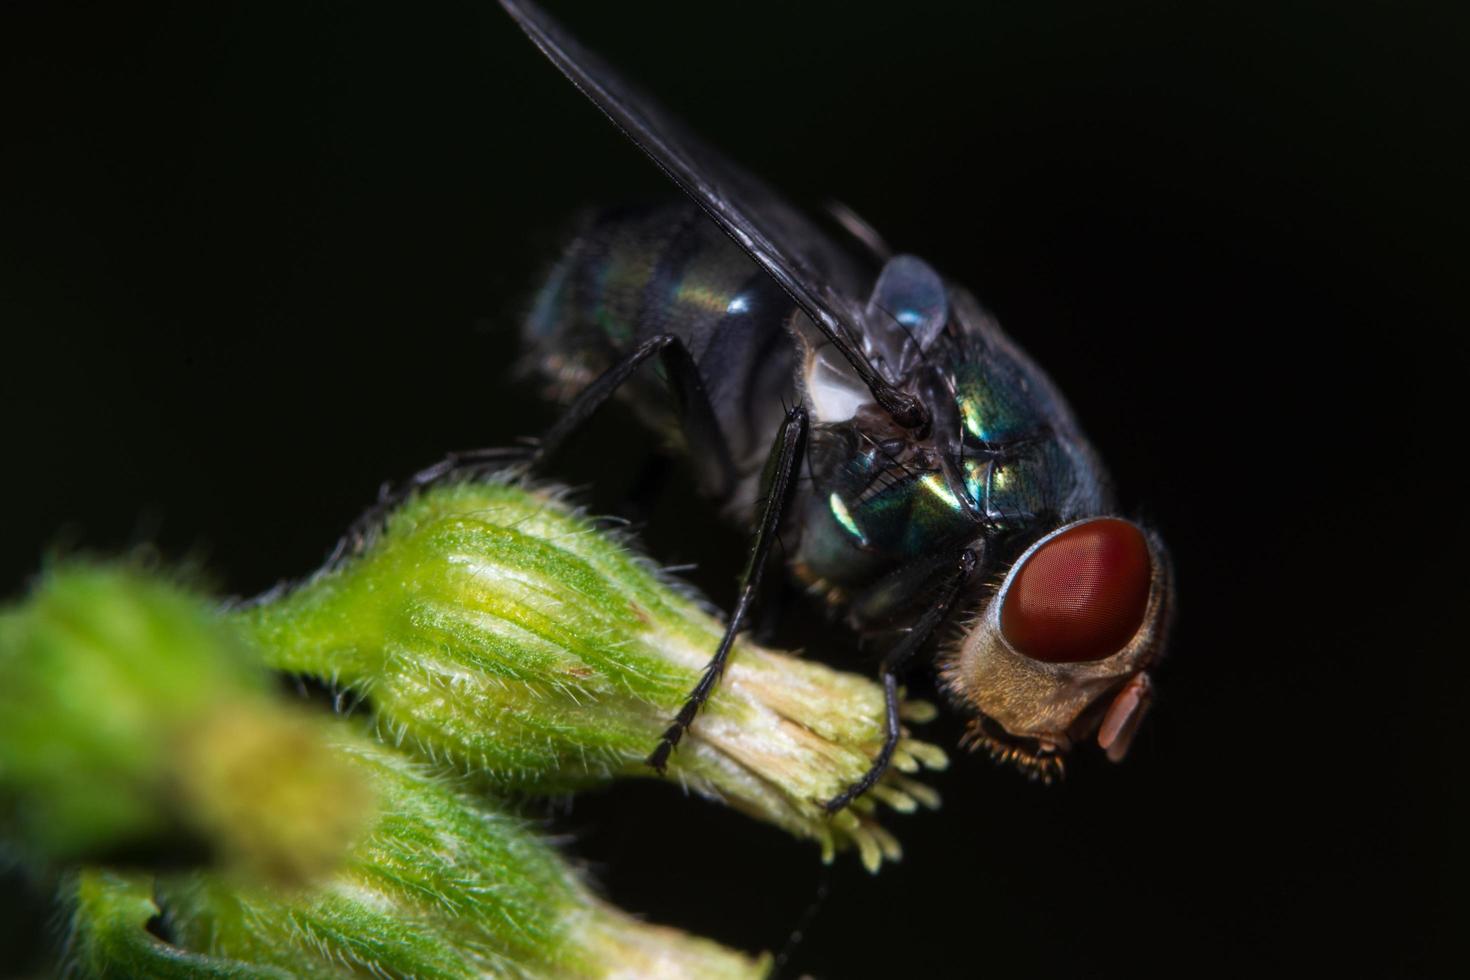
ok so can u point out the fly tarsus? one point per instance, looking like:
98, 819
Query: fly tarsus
659, 757
891, 733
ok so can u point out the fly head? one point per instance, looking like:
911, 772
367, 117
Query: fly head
1060, 652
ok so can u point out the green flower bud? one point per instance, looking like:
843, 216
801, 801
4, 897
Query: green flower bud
135, 725
493, 627
442, 887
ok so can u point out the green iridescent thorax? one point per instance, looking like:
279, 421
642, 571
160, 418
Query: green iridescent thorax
994, 404
994, 471
1014, 469
874, 512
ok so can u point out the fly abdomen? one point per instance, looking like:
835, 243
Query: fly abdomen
632, 274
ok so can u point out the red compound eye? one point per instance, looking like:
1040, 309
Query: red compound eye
1081, 596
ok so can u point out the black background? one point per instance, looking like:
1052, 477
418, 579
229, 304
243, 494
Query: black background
256, 258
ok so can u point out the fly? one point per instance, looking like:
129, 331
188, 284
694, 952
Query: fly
928, 472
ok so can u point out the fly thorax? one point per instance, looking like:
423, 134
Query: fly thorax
878, 500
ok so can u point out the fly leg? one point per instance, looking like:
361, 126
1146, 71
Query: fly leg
778, 483
716, 469
893, 661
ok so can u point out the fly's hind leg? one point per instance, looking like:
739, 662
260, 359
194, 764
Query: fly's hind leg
895, 659
778, 483
709, 452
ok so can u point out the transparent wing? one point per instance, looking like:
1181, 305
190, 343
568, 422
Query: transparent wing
816, 273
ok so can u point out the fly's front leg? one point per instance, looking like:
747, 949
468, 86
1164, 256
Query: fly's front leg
895, 659
778, 484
